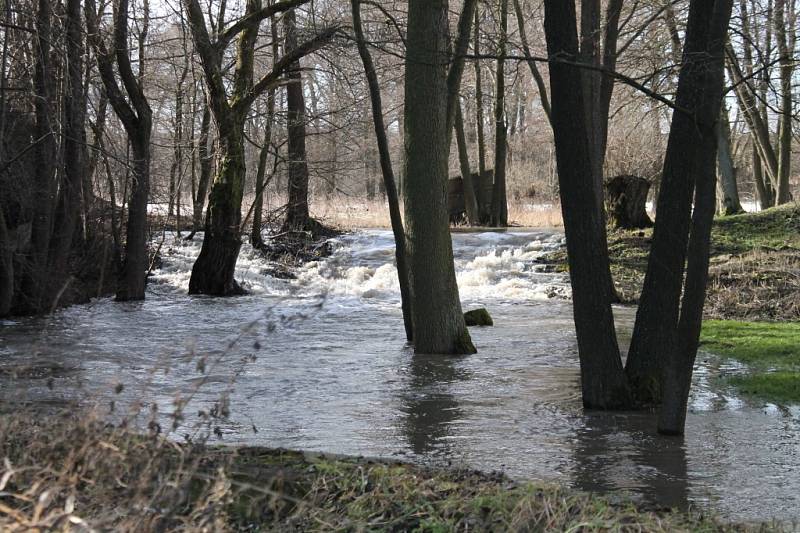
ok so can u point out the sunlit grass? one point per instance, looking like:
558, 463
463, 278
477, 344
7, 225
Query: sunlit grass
771, 350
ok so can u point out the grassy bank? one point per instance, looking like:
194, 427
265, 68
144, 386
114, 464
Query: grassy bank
753, 274
68, 473
770, 350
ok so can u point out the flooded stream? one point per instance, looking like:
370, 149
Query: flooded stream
319, 363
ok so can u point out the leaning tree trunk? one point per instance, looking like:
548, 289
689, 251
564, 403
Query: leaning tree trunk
470, 198
783, 194
205, 155
213, 271
655, 331
679, 364
401, 257
603, 383
438, 320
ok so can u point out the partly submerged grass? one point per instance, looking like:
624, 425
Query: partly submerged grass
771, 351
72, 474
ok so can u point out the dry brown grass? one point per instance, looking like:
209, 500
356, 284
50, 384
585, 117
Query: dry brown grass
354, 213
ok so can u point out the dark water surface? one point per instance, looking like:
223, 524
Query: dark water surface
331, 373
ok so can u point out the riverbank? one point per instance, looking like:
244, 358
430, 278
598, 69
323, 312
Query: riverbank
753, 301
75, 473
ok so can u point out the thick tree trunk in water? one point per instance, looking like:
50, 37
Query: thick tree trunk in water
437, 316
297, 216
213, 271
401, 257
602, 379
725, 166
499, 199
679, 364
655, 331
470, 200
134, 266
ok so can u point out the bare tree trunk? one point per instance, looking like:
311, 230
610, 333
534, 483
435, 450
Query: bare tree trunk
205, 155
602, 379
470, 199
763, 188
537, 76
33, 283
75, 156
479, 119
499, 199
655, 331
725, 166
679, 364
786, 116
387, 171
6, 267
438, 321
297, 215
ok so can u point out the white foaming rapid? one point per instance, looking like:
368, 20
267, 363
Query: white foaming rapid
490, 266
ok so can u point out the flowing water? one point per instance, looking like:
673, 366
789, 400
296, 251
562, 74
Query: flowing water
319, 363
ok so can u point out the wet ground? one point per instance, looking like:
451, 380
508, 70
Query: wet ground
320, 363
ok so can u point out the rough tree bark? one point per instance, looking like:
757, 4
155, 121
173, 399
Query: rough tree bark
603, 383
678, 364
785, 28
387, 171
297, 215
438, 321
213, 271
655, 329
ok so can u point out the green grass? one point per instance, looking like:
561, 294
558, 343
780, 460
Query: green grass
772, 229
771, 351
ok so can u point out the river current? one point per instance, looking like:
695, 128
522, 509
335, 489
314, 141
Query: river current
319, 363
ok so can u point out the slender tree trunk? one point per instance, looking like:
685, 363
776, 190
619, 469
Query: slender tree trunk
763, 187
261, 172
655, 330
470, 199
75, 156
33, 285
786, 110
205, 155
438, 321
483, 202
6, 268
297, 215
135, 264
387, 171
537, 76
499, 199
725, 166
602, 379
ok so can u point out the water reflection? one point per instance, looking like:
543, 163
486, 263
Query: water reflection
621, 451
429, 407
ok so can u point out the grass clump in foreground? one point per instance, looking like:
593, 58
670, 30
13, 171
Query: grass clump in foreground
61, 472
770, 349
